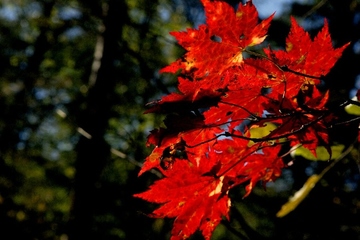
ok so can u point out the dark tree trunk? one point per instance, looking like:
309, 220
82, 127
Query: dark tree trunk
92, 149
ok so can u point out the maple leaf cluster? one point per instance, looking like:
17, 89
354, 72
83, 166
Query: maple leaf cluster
229, 91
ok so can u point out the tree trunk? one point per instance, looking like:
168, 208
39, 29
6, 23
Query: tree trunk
92, 149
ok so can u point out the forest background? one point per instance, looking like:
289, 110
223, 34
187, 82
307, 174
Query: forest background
75, 77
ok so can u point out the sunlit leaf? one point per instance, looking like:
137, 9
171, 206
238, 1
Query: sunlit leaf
322, 153
299, 196
227, 96
261, 131
353, 109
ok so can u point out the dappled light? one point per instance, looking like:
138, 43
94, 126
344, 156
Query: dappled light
77, 77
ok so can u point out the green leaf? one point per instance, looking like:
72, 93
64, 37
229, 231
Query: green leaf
321, 153
261, 131
353, 109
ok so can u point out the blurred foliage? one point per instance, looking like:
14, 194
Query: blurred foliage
79, 71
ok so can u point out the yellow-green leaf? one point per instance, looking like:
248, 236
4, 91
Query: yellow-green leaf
353, 109
299, 196
261, 131
321, 153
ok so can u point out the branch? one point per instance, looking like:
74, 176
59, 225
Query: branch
301, 194
287, 69
282, 68
262, 139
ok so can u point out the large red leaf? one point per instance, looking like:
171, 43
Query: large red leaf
305, 61
196, 199
220, 44
211, 50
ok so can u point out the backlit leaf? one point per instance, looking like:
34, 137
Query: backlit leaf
299, 196
233, 113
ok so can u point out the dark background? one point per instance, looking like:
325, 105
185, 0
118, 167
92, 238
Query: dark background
74, 80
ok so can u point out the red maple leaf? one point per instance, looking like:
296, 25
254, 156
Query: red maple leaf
242, 163
212, 49
245, 95
195, 191
206, 148
305, 61
222, 40
305, 123
184, 137
161, 139
194, 197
